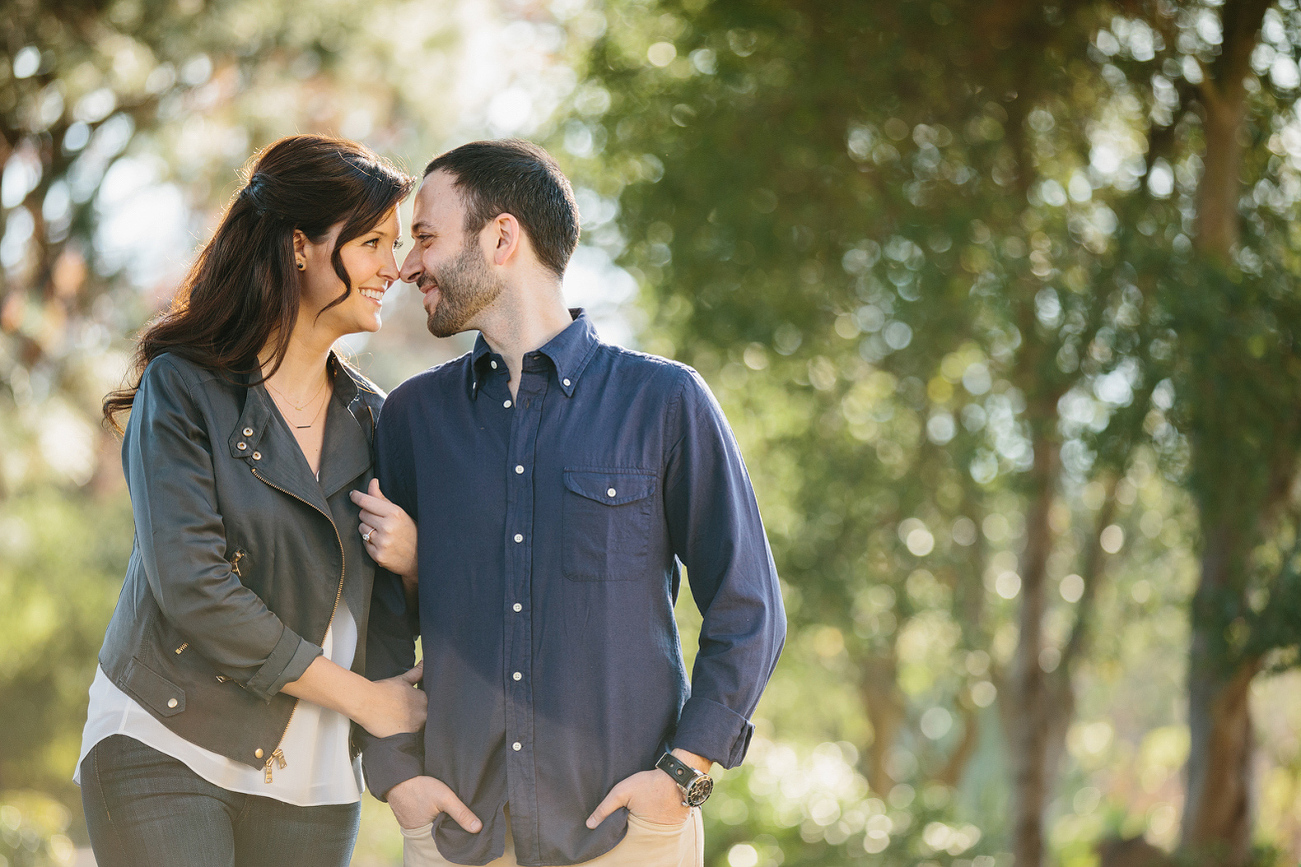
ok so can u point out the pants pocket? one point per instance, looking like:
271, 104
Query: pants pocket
418, 847
658, 827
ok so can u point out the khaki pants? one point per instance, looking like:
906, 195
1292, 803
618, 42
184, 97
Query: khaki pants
647, 845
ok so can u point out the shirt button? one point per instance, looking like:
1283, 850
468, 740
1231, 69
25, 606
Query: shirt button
611, 492
517, 675
494, 364
506, 404
257, 753
566, 382
517, 607
248, 431
519, 537
519, 468
517, 746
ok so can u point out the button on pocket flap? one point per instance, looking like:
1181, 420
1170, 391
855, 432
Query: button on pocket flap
163, 696
612, 487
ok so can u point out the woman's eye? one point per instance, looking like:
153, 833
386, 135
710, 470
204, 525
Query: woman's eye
373, 242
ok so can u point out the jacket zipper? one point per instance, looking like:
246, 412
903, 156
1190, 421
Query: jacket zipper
277, 756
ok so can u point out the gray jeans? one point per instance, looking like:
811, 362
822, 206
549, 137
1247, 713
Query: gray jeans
145, 807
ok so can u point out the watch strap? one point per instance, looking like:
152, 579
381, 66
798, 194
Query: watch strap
682, 773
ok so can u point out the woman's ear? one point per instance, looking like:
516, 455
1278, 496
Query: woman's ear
300, 249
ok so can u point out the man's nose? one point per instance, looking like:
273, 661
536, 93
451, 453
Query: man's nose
411, 269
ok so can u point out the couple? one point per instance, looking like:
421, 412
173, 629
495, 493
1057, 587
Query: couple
544, 494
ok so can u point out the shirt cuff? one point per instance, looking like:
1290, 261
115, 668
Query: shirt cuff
287, 662
392, 760
714, 731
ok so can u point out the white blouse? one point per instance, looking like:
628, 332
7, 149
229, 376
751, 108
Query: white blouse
318, 769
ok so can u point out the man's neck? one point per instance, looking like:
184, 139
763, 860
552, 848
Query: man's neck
523, 322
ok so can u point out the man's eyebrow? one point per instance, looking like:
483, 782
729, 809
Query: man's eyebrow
421, 226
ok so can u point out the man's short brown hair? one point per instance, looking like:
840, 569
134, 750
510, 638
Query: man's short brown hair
516, 177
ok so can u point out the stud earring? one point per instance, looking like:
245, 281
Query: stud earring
302, 266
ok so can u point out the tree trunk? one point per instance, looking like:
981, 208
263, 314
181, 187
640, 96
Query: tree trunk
887, 711
1028, 717
1218, 809
1218, 806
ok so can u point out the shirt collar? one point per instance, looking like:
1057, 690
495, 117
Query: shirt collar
569, 351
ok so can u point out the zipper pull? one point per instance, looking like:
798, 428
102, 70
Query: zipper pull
279, 759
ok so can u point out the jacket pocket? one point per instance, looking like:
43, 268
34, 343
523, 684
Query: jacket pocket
160, 694
606, 523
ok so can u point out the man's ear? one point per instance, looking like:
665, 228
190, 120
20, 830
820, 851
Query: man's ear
506, 237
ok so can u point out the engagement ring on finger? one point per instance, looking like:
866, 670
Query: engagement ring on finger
365, 537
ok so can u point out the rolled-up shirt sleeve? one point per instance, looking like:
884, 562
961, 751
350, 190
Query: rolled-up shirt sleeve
167, 457
393, 626
717, 533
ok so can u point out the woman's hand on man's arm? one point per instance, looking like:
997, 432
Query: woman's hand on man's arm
381, 707
388, 533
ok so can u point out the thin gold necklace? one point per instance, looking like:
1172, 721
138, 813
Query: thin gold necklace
315, 415
306, 403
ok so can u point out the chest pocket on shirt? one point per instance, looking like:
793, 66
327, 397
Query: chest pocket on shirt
606, 521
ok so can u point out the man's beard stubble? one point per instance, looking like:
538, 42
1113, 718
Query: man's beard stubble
465, 288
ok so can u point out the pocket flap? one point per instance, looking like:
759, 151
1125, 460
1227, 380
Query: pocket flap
153, 689
611, 487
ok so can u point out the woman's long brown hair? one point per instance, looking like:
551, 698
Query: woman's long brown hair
244, 289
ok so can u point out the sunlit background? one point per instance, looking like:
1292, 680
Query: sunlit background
1000, 298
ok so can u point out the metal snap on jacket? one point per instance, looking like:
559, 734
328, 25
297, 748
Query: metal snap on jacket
241, 446
171, 702
611, 492
248, 431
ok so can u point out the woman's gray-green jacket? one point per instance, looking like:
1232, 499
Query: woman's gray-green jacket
241, 555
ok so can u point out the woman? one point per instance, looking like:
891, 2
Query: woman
219, 720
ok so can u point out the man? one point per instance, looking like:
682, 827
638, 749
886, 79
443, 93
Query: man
559, 485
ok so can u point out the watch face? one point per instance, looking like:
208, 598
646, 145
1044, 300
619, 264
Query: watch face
699, 790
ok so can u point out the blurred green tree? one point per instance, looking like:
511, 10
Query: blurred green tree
938, 256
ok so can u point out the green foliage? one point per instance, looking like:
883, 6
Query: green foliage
32, 831
909, 261
58, 582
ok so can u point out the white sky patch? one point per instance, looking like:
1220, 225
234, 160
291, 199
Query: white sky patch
144, 223
67, 443
595, 283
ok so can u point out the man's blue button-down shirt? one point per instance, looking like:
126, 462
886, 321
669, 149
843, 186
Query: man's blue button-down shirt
554, 526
